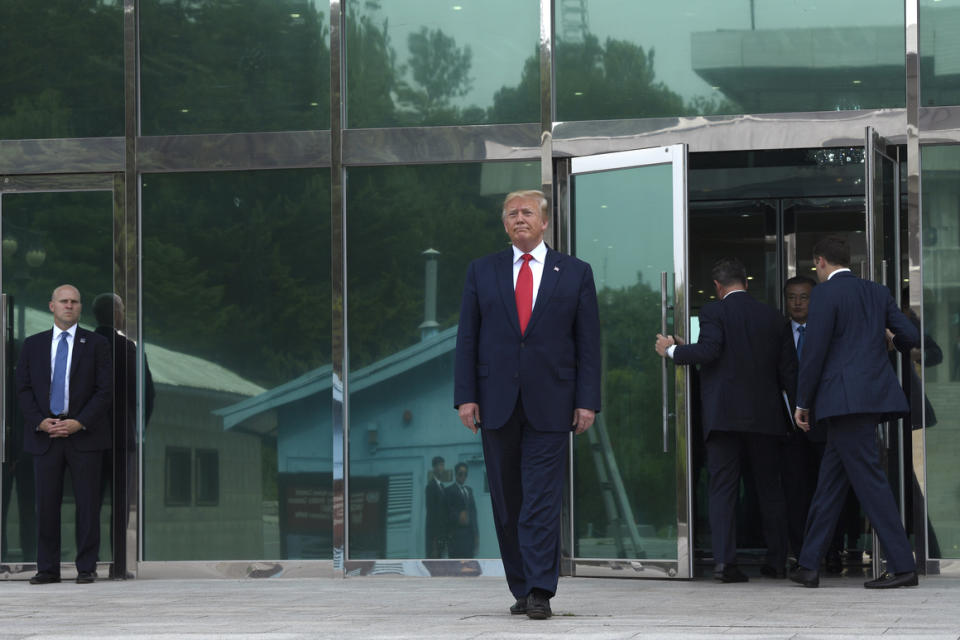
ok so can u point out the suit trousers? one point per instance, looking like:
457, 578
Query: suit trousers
725, 450
85, 467
852, 457
526, 471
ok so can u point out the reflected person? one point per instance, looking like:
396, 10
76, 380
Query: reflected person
747, 361
436, 511
846, 381
527, 372
64, 385
108, 310
462, 512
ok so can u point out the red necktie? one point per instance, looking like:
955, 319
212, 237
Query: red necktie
524, 292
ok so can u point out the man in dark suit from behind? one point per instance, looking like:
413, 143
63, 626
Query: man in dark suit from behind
64, 385
527, 373
847, 382
462, 510
436, 508
747, 360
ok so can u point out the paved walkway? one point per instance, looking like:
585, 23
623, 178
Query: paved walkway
397, 607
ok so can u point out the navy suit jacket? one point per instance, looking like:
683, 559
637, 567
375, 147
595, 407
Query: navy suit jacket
846, 369
747, 359
554, 366
91, 390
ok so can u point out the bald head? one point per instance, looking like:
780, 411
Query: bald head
65, 306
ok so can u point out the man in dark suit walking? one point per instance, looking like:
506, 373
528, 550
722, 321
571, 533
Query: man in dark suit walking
847, 382
462, 510
527, 373
64, 385
747, 360
436, 507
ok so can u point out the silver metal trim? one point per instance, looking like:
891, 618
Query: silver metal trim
431, 145
233, 151
338, 282
56, 183
619, 568
237, 570
61, 155
3, 380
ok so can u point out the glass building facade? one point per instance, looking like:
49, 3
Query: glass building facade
285, 194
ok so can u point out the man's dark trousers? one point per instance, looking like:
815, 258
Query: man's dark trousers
85, 467
852, 457
531, 551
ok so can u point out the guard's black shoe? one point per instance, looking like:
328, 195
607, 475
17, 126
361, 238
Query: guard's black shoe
538, 605
86, 577
519, 607
729, 573
770, 571
893, 580
806, 577
45, 578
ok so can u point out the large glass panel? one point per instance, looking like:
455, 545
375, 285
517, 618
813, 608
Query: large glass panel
246, 65
625, 485
411, 233
62, 73
941, 322
434, 62
236, 325
807, 221
48, 239
619, 59
939, 58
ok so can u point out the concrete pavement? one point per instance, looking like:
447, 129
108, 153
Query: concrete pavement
402, 607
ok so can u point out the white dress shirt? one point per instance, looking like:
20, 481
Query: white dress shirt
837, 271
71, 334
539, 254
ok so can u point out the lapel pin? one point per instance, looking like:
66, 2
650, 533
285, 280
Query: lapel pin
83, 341
556, 268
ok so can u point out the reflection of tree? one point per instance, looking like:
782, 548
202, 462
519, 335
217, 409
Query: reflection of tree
631, 413
441, 72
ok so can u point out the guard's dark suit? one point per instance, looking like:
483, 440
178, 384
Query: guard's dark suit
436, 521
747, 358
463, 535
847, 382
91, 385
527, 387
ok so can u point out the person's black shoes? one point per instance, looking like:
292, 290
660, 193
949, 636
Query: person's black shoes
519, 607
769, 571
86, 577
728, 573
806, 577
44, 578
893, 580
538, 605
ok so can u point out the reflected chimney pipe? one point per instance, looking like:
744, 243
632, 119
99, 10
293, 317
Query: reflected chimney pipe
429, 326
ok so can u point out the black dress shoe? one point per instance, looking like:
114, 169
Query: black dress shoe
769, 571
86, 577
519, 607
893, 580
833, 563
729, 573
806, 577
44, 578
538, 605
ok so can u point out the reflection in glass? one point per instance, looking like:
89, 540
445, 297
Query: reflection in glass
433, 62
247, 65
236, 316
702, 57
625, 487
939, 63
417, 485
48, 239
941, 321
811, 219
62, 69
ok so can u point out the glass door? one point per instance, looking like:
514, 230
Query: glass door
631, 493
55, 230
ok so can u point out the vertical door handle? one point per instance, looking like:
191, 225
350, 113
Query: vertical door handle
883, 272
3, 378
663, 361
